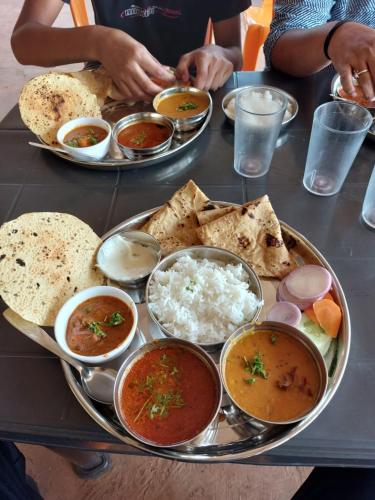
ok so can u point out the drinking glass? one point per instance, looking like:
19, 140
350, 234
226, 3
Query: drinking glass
338, 130
259, 115
368, 209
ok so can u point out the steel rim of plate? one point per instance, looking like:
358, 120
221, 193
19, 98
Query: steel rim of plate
290, 98
235, 450
335, 84
123, 164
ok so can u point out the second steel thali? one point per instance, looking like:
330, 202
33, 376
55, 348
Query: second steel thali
115, 160
233, 435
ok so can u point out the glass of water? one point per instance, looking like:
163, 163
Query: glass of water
259, 115
338, 131
368, 209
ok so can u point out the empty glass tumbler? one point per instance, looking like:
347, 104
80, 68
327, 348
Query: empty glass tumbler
368, 209
338, 131
259, 115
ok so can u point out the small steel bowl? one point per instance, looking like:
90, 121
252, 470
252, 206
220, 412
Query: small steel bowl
335, 87
135, 236
139, 153
139, 353
292, 103
184, 124
210, 253
292, 332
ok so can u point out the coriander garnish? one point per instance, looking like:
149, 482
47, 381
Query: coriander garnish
115, 319
185, 106
190, 286
138, 139
273, 339
256, 366
250, 380
95, 326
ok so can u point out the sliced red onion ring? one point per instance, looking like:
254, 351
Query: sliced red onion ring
285, 312
282, 295
308, 283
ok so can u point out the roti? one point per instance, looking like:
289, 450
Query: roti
206, 216
253, 232
48, 101
175, 224
45, 258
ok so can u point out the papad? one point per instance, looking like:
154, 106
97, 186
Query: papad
253, 232
48, 101
45, 258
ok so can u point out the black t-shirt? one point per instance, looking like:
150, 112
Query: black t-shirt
167, 28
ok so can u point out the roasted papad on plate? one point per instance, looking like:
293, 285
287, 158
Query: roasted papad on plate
48, 101
253, 232
45, 258
175, 224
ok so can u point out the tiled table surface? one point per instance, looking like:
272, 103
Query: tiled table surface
36, 403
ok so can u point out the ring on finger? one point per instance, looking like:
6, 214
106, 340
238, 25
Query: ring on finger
357, 74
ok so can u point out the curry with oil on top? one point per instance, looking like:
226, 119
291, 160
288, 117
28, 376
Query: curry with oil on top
183, 105
143, 134
272, 376
84, 137
168, 396
99, 325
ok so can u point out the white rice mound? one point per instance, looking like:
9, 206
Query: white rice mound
203, 301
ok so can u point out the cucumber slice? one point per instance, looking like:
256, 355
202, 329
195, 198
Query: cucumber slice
315, 334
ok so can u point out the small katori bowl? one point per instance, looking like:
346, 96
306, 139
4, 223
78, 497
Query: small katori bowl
106, 252
219, 255
62, 320
302, 339
135, 153
189, 123
138, 354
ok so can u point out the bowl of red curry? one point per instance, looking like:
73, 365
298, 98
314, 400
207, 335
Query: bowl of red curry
97, 324
85, 139
168, 393
142, 135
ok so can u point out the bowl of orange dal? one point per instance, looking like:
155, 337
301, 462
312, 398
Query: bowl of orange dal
273, 373
185, 106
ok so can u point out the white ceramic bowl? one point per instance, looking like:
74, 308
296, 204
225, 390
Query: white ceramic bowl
68, 308
97, 151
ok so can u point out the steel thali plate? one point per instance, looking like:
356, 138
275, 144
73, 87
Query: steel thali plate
115, 160
234, 435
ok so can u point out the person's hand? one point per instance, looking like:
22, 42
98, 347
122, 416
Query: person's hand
211, 65
131, 66
352, 49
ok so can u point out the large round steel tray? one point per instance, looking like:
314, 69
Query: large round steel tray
234, 436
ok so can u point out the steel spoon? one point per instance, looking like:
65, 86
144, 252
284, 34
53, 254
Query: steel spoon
97, 382
45, 146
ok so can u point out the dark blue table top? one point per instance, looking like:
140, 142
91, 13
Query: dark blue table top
36, 403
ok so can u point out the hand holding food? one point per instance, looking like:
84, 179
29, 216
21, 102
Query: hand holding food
352, 51
132, 67
212, 67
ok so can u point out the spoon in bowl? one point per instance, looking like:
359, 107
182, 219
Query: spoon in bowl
97, 382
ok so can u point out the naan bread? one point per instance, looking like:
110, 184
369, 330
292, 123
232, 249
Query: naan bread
174, 225
45, 258
253, 232
50, 100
